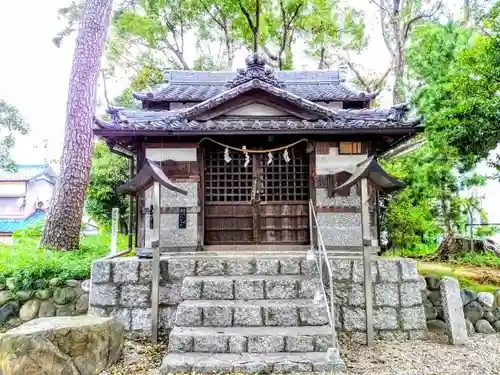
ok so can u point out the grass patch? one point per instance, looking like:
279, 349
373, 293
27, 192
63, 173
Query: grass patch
28, 264
467, 278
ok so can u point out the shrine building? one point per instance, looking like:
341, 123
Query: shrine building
252, 148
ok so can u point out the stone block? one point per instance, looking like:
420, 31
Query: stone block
287, 366
246, 367
218, 289
191, 289
322, 343
180, 344
103, 295
413, 318
357, 295
281, 289
210, 267
218, 316
341, 293
212, 366
267, 267
468, 296
409, 270
181, 268
308, 288
166, 318
101, 272
385, 318
123, 316
486, 299
290, 267
237, 344
141, 320
96, 311
266, 344
145, 270
248, 316
135, 295
210, 344
341, 269
358, 272
421, 283
315, 315
285, 316
299, 344
354, 319
308, 268
410, 294
453, 311
187, 316
388, 270
170, 294
125, 270
386, 294
249, 289
240, 267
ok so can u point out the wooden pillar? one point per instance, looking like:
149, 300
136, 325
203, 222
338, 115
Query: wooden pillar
155, 279
367, 250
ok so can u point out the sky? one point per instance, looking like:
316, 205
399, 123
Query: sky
34, 76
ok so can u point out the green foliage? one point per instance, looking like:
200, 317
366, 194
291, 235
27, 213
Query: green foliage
27, 263
108, 171
11, 123
460, 96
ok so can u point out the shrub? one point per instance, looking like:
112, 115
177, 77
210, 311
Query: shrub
26, 262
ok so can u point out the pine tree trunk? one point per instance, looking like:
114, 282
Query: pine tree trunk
62, 228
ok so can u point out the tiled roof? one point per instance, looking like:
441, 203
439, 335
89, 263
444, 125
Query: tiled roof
11, 225
143, 120
198, 86
24, 172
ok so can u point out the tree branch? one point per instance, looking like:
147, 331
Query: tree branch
419, 17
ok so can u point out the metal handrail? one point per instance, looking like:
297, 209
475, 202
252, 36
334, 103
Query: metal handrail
321, 258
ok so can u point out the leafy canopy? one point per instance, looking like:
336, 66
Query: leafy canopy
11, 123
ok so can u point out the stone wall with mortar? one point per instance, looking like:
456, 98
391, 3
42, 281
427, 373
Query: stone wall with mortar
53, 297
122, 288
481, 310
340, 217
171, 236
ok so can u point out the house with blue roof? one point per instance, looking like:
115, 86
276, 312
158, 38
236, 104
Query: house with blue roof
25, 195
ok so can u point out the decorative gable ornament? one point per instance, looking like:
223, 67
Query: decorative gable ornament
256, 69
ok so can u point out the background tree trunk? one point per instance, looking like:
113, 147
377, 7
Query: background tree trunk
62, 229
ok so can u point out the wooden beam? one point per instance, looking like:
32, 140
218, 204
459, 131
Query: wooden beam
155, 279
366, 242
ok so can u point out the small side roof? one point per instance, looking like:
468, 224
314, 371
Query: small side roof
372, 170
148, 174
26, 172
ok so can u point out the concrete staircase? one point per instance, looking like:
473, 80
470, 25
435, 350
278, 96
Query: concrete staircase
257, 314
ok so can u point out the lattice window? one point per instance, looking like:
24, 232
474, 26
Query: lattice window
350, 148
227, 182
284, 181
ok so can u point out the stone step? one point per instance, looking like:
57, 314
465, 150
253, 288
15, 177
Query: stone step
250, 339
250, 363
254, 313
250, 287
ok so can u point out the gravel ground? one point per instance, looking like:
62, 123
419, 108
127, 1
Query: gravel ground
480, 356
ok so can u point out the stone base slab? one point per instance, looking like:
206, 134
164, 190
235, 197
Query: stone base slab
250, 339
250, 363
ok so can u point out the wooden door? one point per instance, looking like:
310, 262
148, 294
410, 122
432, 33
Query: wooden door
260, 203
284, 205
228, 207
